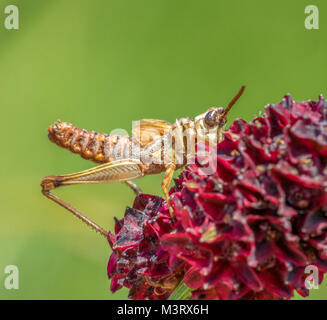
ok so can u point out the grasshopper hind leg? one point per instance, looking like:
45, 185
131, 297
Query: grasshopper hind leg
116, 171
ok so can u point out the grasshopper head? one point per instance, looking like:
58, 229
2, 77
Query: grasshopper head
210, 123
211, 120
214, 118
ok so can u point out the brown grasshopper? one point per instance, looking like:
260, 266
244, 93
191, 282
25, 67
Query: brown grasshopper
155, 146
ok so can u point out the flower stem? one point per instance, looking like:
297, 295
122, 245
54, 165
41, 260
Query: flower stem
182, 292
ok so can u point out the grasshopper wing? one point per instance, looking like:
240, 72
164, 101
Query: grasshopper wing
148, 130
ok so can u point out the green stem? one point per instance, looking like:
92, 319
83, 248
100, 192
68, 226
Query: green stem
182, 292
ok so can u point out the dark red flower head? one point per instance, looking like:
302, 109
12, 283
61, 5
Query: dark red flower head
138, 262
247, 231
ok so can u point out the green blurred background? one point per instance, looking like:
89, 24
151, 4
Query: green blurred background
101, 64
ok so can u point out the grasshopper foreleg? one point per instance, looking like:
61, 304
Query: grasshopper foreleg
134, 187
165, 185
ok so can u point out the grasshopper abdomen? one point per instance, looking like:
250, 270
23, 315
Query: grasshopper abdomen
91, 145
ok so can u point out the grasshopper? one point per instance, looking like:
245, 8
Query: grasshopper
155, 146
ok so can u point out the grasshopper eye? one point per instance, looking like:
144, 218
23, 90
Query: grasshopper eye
211, 118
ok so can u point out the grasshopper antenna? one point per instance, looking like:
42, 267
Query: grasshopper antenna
224, 115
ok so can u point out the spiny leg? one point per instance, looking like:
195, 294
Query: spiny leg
134, 187
165, 185
123, 170
75, 212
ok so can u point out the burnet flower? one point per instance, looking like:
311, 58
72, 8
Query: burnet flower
249, 230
